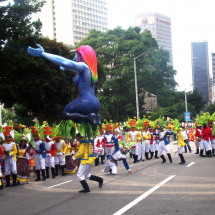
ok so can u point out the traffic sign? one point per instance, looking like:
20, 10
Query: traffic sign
187, 116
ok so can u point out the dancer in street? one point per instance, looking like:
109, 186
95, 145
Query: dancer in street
86, 165
118, 155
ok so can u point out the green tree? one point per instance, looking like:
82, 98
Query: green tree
16, 118
116, 50
210, 109
15, 19
35, 83
175, 111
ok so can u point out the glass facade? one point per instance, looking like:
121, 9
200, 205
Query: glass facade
160, 27
213, 66
200, 68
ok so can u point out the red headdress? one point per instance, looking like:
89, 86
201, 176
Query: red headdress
47, 130
33, 130
108, 127
132, 122
7, 130
101, 130
146, 124
115, 126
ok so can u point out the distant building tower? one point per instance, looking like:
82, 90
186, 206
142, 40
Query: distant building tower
69, 21
160, 27
213, 66
200, 67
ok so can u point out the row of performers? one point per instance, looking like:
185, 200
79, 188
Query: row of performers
49, 154
46, 155
205, 140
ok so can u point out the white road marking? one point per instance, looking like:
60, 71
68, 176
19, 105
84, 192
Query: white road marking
190, 164
102, 170
143, 196
59, 184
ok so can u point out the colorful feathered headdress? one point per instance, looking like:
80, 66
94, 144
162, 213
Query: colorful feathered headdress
7, 130
89, 57
56, 132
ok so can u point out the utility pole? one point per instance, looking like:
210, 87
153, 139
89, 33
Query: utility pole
185, 100
136, 89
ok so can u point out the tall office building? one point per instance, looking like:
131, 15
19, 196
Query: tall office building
200, 67
69, 21
213, 66
160, 27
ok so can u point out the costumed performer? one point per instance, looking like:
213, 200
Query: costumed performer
199, 136
40, 154
23, 168
1, 181
50, 152
60, 154
86, 165
71, 165
98, 149
10, 151
163, 143
134, 136
109, 140
118, 155
207, 134
84, 64
146, 135
154, 139
181, 145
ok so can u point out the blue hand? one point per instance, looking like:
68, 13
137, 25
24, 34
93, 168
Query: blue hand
36, 52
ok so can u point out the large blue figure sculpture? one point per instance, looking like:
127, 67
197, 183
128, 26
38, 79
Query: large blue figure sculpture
84, 64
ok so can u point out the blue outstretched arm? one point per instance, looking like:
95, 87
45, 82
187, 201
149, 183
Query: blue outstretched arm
63, 62
125, 164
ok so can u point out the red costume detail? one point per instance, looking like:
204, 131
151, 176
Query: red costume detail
53, 150
207, 134
198, 135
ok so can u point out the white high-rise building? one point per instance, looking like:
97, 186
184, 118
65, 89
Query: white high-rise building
69, 21
160, 27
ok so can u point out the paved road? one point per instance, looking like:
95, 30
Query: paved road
189, 190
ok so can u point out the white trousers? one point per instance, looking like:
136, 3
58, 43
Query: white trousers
50, 161
213, 145
207, 145
0, 172
135, 150
108, 151
10, 166
142, 151
84, 171
180, 149
154, 146
110, 165
39, 162
59, 160
162, 147
139, 151
201, 144
147, 145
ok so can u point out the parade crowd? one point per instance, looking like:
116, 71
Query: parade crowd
43, 150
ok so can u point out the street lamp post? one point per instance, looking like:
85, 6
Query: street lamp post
185, 100
136, 90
